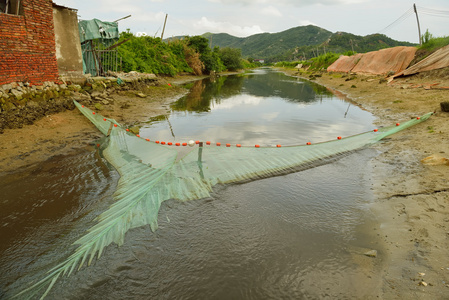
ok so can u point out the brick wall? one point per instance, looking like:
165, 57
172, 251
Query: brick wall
27, 45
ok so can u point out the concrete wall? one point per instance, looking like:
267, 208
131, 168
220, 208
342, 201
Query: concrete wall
68, 47
27, 44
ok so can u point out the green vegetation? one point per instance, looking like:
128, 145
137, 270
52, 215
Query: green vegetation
191, 54
315, 64
150, 55
302, 43
431, 43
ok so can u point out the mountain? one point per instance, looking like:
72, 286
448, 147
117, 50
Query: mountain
301, 42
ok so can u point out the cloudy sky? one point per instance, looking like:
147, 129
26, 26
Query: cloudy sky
247, 17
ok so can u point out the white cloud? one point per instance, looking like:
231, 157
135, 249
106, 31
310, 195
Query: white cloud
206, 25
289, 2
271, 11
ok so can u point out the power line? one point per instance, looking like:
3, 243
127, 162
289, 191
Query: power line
434, 12
399, 20
421, 10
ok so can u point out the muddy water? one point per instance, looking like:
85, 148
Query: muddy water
287, 237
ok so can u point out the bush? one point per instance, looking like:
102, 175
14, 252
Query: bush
151, 55
431, 43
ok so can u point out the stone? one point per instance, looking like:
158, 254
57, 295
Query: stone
371, 253
134, 129
17, 94
435, 160
141, 95
96, 94
98, 106
7, 87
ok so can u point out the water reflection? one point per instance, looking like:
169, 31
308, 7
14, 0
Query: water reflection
207, 93
264, 108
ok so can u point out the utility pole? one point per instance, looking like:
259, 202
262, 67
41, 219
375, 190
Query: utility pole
163, 30
417, 20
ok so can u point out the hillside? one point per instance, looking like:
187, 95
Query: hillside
266, 45
302, 41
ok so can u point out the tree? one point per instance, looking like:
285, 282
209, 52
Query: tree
211, 59
231, 58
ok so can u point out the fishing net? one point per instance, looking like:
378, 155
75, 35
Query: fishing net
151, 173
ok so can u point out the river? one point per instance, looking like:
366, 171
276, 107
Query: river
295, 236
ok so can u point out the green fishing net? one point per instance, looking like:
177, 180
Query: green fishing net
151, 173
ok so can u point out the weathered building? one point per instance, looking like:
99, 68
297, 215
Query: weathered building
28, 49
67, 41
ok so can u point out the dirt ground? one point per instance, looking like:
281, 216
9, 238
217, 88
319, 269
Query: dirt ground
411, 181
412, 195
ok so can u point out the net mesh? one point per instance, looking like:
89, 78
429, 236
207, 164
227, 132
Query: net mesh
151, 173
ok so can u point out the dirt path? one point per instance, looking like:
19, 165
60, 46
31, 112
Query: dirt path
412, 198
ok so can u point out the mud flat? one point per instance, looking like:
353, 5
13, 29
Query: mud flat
411, 180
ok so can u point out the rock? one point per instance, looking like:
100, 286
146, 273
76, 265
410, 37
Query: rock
98, 106
444, 106
75, 87
17, 94
134, 129
141, 95
435, 160
7, 87
371, 253
96, 94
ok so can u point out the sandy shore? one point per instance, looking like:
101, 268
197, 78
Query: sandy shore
411, 195
412, 198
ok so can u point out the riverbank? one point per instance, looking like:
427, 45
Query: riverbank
410, 180
68, 131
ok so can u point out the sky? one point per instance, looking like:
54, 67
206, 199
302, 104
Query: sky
243, 18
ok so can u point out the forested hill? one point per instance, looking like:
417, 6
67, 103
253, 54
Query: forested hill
300, 42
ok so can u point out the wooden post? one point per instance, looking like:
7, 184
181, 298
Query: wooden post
163, 29
417, 20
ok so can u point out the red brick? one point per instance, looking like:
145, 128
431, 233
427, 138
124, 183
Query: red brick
27, 44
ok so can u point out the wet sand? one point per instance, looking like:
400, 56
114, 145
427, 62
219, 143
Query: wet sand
411, 194
411, 198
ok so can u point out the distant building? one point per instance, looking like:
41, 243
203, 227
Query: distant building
259, 60
39, 41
